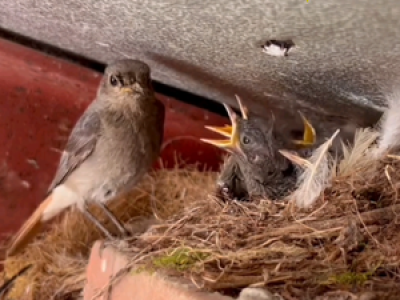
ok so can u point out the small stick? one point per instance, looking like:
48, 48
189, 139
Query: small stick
8, 284
376, 216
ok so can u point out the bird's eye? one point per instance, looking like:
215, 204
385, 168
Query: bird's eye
245, 140
113, 80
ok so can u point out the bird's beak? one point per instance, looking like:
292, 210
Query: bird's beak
127, 90
231, 132
243, 109
309, 135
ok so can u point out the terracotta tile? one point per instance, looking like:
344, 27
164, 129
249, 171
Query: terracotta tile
104, 263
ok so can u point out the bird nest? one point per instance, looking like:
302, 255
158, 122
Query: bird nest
348, 240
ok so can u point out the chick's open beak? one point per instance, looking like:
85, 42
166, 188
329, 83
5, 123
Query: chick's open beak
226, 131
231, 132
309, 135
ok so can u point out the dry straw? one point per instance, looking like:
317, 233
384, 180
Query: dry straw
347, 237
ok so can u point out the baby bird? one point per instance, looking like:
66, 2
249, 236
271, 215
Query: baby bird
256, 167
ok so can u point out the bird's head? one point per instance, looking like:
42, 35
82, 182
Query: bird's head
255, 142
126, 77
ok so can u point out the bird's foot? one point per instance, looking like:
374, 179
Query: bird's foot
123, 231
225, 193
110, 236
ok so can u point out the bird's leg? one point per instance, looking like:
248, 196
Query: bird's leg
96, 222
112, 217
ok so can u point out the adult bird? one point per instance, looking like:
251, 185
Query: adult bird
112, 146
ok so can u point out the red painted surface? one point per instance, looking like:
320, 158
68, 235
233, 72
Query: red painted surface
41, 99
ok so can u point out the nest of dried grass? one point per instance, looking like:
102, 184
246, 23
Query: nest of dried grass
60, 255
350, 239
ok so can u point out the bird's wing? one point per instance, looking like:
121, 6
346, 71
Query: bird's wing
81, 143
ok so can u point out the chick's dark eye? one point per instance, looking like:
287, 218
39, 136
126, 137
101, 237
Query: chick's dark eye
245, 140
113, 80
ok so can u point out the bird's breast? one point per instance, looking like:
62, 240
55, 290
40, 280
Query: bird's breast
124, 153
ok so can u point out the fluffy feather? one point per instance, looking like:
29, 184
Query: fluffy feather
389, 125
359, 154
253, 293
316, 176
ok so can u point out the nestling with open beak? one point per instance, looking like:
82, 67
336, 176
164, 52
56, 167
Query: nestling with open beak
112, 146
255, 164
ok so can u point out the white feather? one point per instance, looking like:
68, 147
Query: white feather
389, 125
252, 293
316, 176
360, 154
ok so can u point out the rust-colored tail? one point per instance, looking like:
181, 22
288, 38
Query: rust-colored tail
29, 229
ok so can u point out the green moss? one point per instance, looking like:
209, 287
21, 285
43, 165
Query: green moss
180, 259
350, 278
142, 270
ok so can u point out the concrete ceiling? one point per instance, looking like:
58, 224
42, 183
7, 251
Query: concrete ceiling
346, 53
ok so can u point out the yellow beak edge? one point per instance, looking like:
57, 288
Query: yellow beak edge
309, 136
231, 132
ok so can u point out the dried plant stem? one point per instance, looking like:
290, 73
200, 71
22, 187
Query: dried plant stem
375, 217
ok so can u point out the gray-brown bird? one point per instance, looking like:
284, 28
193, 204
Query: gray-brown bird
112, 146
255, 167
